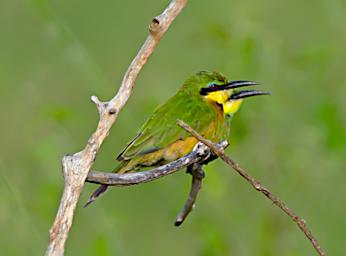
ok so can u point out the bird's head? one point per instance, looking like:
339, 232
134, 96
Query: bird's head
216, 88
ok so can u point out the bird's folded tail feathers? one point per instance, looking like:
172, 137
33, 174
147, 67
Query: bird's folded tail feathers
97, 193
101, 189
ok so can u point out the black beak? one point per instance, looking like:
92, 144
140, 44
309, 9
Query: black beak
231, 85
247, 93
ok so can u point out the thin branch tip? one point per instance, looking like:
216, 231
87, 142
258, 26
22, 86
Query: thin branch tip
178, 222
301, 223
95, 99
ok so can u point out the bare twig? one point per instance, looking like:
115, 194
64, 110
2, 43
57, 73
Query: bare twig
197, 176
198, 155
193, 161
76, 167
258, 186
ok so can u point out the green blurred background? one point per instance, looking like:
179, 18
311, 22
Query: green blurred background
55, 54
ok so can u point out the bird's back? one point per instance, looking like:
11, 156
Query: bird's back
160, 140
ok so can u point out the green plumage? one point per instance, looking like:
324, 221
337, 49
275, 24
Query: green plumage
160, 140
161, 129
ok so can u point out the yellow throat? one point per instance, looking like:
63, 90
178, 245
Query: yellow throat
222, 98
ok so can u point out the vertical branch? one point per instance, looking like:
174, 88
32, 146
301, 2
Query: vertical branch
197, 176
76, 167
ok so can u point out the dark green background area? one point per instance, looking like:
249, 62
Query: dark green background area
55, 54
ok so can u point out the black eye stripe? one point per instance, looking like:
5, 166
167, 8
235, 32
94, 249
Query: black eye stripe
208, 89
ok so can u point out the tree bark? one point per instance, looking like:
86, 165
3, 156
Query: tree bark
76, 167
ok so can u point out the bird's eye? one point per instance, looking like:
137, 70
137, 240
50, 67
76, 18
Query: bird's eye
211, 85
209, 88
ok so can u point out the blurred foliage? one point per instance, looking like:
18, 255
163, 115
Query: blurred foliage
56, 54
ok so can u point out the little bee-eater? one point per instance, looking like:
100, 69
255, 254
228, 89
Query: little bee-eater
206, 101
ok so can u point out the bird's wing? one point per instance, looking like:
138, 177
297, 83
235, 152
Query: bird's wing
161, 128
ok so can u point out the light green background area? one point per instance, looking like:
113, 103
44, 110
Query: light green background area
55, 54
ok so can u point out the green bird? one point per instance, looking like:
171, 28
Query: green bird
206, 101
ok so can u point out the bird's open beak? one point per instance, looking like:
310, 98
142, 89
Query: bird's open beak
247, 93
231, 85
236, 84
244, 93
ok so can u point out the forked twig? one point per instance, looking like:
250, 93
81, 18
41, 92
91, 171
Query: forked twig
258, 186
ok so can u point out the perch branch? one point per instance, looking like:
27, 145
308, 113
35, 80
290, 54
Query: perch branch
197, 176
198, 155
258, 186
76, 167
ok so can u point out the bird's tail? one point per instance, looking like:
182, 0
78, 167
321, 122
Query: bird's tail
96, 194
103, 188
